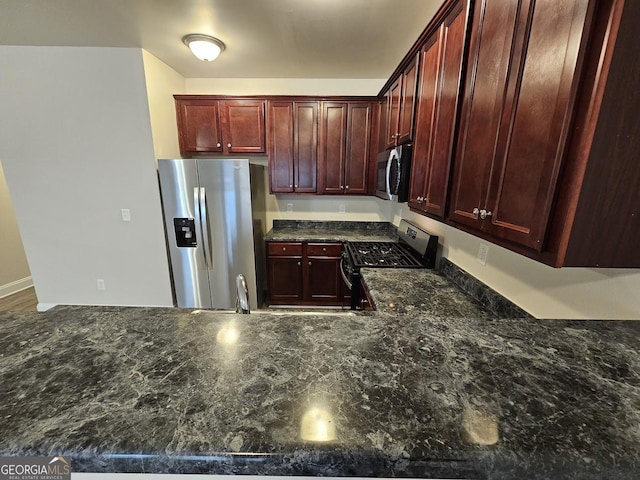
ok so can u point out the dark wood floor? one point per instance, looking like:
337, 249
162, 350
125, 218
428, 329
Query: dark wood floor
23, 301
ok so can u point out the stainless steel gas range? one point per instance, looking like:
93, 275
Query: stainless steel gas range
415, 248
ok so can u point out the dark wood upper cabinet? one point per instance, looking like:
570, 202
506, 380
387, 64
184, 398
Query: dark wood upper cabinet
293, 142
305, 146
345, 150
199, 128
546, 154
437, 103
408, 102
359, 118
521, 85
400, 99
280, 133
214, 126
243, 126
333, 132
393, 98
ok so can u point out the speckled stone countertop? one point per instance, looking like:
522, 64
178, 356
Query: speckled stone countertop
331, 231
390, 394
419, 292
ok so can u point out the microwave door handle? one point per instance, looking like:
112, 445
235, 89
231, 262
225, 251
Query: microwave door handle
204, 224
389, 174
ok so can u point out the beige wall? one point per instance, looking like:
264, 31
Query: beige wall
162, 83
76, 146
14, 271
284, 86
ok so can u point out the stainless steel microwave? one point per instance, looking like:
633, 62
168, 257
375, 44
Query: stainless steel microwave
393, 174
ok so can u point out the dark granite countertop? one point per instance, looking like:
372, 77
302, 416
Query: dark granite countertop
419, 292
391, 394
331, 231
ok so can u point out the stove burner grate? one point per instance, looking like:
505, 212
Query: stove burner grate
381, 254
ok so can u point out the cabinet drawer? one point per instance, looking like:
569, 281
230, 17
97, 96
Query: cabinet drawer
324, 249
284, 248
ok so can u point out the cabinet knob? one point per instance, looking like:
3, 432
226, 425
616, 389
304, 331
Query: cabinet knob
484, 214
296, 186
347, 187
290, 186
228, 145
309, 263
299, 264
341, 187
476, 212
284, 249
218, 145
324, 249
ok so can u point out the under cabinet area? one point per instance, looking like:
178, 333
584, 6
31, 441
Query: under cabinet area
304, 273
208, 125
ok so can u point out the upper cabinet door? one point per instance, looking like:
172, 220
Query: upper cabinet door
520, 91
540, 96
440, 79
243, 123
407, 102
199, 126
333, 130
394, 95
280, 131
452, 41
357, 150
482, 107
305, 143
425, 118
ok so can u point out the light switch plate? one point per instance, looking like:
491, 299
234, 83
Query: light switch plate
289, 207
126, 214
342, 208
483, 252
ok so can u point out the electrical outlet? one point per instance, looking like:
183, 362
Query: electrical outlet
101, 285
342, 208
126, 214
483, 252
289, 207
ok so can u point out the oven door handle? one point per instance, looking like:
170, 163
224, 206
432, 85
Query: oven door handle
344, 277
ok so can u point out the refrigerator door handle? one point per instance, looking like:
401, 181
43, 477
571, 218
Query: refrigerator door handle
198, 215
197, 206
204, 224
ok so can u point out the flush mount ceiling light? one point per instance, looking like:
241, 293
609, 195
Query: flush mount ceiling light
204, 47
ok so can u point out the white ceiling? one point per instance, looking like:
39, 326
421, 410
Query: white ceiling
264, 38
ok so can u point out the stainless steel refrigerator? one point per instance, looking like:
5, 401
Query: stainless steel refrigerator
214, 220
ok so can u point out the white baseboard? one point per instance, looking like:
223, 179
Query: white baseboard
43, 307
15, 287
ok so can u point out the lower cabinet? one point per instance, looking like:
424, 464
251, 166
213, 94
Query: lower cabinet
304, 273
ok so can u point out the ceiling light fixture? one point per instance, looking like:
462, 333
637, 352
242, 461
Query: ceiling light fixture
204, 47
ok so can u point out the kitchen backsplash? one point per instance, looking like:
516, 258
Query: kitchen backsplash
489, 298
